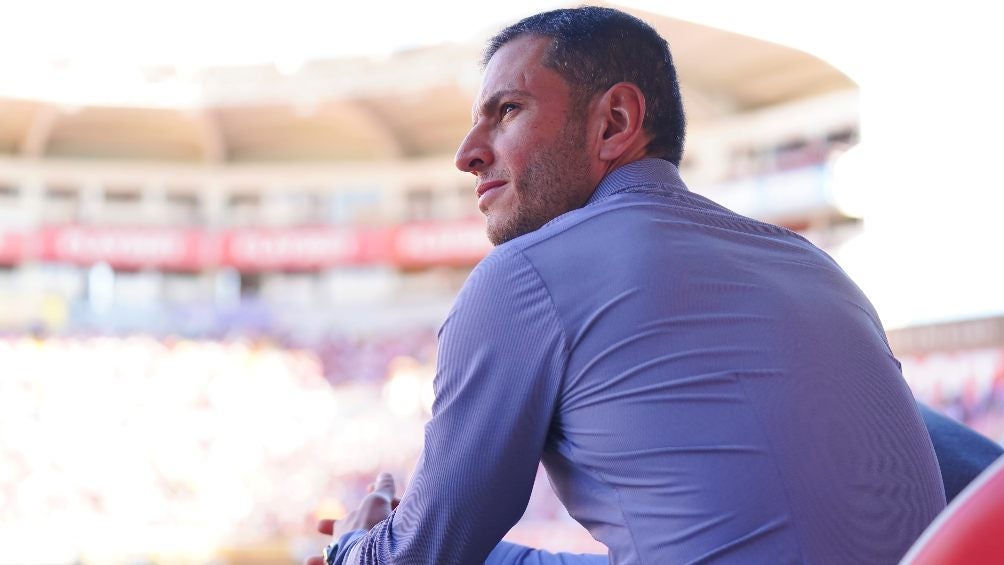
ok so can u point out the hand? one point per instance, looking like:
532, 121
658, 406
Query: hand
374, 508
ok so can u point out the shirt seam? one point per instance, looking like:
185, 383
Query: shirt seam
564, 374
639, 187
780, 230
561, 227
601, 477
777, 470
557, 319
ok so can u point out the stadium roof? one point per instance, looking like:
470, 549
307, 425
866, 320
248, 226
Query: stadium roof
411, 103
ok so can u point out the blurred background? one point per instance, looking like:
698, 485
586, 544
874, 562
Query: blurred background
230, 231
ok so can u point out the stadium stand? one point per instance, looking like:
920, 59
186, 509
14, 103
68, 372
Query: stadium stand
205, 281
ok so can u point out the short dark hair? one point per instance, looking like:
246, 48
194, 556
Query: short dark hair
594, 48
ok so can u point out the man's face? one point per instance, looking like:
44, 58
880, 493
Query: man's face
527, 146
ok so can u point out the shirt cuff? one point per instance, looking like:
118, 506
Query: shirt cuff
346, 544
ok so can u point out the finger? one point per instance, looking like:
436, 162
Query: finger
326, 526
384, 485
394, 503
314, 560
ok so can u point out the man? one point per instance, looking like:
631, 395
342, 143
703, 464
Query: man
700, 386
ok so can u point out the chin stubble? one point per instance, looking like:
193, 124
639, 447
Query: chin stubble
550, 186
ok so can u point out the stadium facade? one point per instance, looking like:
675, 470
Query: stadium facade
306, 193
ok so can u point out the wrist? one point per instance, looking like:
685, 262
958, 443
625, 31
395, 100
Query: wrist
337, 552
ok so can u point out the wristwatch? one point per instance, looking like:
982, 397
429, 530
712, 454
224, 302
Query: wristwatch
330, 552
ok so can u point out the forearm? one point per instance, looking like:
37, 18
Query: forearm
506, 553
348, 548
452, 513
489, 424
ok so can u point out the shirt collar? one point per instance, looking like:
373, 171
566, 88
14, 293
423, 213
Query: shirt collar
648, 172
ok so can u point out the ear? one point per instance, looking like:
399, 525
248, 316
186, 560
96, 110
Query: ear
620, 113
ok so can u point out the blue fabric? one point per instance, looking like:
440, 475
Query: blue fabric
506, 553
700, 386
962, 452
345, 544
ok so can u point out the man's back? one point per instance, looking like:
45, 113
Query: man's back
700, 386
727, 392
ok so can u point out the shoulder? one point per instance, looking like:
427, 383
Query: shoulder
500, 285
506, 290
503, 308
505, 265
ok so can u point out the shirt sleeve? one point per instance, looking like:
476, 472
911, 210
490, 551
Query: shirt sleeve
506, 553
502, 354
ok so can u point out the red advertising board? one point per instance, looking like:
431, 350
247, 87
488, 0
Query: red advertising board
293, 248
259, 249
13, 246
452, 243
133, 247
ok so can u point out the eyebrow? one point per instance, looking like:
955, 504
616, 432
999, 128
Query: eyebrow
496, 99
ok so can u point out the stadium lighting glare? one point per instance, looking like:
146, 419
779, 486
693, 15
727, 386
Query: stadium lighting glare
192, 34
149, 52
924, 175
408, 391
849, 182
170, 454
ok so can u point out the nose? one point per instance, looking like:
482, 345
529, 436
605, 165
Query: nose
474, 154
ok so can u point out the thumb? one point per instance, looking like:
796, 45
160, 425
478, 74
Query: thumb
384, 486
326, 526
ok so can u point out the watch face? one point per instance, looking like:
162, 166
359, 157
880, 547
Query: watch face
330, 551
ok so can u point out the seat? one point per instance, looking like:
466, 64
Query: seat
969, 530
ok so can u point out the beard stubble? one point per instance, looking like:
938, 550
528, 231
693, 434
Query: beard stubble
552, 184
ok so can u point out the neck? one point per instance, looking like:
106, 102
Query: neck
626, 158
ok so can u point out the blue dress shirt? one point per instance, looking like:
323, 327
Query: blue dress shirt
700, 386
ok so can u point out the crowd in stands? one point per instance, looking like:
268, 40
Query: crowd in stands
752, 161
966, 385
176, 443
171, 442
347, 359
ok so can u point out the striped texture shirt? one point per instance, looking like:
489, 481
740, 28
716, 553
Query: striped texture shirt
700, 386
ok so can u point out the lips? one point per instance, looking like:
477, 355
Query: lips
488, 192
486, 186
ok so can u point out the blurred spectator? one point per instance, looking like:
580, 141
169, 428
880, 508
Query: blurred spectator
141, 446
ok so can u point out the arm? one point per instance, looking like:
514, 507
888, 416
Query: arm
501, 358
506, 553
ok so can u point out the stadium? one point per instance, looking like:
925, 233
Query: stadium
209, 272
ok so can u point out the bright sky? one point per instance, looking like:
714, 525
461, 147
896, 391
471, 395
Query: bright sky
200, 32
